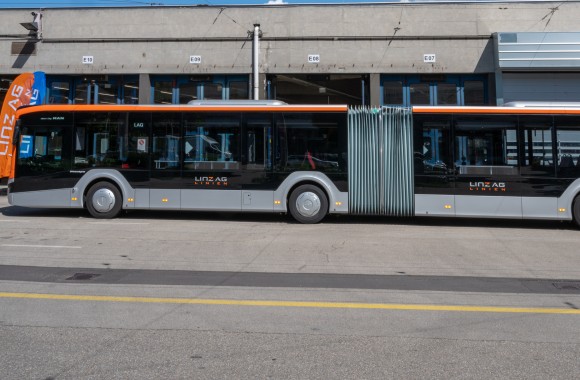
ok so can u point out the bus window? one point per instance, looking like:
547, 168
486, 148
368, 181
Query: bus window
538, 158
138, 141
431, 144
309, 142
41, 151
259, 142
211, 141
100, 139
567, 146
486, 145
166, 142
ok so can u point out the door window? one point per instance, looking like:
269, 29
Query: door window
486, 145
568, 146
538, 158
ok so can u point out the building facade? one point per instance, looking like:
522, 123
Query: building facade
360, 54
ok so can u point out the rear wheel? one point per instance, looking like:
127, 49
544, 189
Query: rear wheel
104, 200
576, 210
308, 204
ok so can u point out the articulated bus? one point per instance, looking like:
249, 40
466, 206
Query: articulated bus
309, 161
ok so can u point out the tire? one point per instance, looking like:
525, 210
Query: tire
576, 210
104, 200
308, 204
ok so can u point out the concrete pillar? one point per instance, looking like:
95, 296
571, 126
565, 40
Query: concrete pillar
145, 89
375, 89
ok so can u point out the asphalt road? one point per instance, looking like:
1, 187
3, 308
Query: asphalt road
196, 295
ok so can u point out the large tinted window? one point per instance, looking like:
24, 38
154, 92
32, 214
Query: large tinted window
101, 139
166, 144
568, 146
486, 145
431, 144
44, 144
211, 141
311, 142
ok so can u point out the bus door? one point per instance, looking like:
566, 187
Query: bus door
434, 188
257, 181
211, 161
540, 188
166, 148
487, 181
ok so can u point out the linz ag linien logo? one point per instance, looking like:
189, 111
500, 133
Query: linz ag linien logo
210, 181
487, 186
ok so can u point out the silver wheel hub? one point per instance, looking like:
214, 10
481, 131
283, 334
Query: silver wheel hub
308, 204
103, 200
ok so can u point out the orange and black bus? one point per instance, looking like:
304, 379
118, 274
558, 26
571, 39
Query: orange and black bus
309, 161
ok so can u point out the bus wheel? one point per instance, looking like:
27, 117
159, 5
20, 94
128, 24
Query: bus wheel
576, 211
104, 200
308, 204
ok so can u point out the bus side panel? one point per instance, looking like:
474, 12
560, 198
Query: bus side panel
540, 208
58, 198
142, 198
257, 200
168, 199
211, 200
488, 206
434, 205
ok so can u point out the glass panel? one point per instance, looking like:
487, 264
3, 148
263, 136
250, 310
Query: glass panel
259, 142
187, 92
5, 83
473, 93
163, 92
41, 151
100, 140
538, 158
131, 93
447, 94
138, 141
419, 93
59, 92
568, 146
108, 93
393, 92
310, 142
239, 90
166, 146
82, 93
486, 145
212, 91
431, 145
211, 141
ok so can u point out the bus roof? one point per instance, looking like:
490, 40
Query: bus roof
180, 108
497, 110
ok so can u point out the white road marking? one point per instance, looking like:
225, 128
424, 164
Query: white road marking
40, 246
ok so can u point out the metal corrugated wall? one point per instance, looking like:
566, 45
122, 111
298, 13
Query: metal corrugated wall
380, 165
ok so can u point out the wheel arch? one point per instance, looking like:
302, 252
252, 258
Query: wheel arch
307, 182
337, 200
108, 175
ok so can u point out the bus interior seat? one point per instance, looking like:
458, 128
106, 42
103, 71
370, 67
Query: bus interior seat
566, 162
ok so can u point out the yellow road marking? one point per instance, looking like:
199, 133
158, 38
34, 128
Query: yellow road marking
323, 305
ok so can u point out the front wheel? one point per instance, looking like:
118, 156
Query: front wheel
308, 204
104, 200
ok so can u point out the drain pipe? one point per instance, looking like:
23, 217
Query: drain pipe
255, 62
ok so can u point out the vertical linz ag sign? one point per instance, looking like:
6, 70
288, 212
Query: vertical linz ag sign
26, 89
